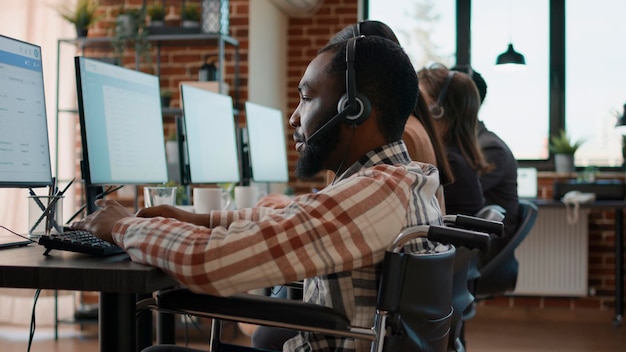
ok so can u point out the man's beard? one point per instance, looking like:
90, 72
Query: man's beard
312, 157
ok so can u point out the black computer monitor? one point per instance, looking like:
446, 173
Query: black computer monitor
266, 143
24, 145
210, 136
121, 124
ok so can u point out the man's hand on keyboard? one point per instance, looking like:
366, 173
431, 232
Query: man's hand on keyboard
102, 221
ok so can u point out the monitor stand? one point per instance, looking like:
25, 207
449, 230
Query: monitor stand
244, 156
91, 192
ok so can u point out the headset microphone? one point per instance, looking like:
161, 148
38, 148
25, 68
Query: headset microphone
353, 107
328, 125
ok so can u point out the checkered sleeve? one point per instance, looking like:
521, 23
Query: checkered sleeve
340, 228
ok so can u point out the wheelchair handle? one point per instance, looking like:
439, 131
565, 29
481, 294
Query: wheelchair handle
475, 224
450, 235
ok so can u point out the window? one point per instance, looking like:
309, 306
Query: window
524, 107
516, 106
425, 28
594, 88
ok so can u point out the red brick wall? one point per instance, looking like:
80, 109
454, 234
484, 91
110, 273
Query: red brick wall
181, 61
305, 37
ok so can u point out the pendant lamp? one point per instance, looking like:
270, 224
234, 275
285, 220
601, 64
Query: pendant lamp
510, 56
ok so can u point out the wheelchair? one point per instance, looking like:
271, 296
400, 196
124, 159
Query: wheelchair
413, 310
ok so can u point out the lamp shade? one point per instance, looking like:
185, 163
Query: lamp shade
510, 56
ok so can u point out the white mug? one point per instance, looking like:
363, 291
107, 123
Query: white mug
207, 199
246, 196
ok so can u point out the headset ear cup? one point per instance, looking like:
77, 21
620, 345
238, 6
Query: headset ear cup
342, 104
363, 105
436, 111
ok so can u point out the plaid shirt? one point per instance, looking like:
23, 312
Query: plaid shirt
335, 237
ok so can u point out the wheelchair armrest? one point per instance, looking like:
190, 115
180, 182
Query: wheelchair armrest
475, 224
460, 237
254, 309
444, 234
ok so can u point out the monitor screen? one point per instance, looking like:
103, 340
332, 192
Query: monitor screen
527, 182
121, 124
24, 146
267, 146
210, 136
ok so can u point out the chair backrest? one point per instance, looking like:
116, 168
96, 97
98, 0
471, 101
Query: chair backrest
499, 275
491, 212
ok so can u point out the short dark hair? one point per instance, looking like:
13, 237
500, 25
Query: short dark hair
476, 77
366, 28
385, 75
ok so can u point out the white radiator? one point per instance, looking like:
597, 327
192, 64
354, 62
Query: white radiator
553, 257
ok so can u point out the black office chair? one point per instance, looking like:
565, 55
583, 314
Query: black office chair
499, 274
414, 303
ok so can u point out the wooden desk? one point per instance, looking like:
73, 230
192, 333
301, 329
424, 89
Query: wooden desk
618, 206
117, 278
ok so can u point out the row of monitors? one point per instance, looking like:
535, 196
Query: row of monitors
122, 128
123, 132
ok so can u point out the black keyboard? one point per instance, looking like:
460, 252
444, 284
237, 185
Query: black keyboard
79, 241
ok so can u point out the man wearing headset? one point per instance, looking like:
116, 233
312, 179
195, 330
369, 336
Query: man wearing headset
355, 98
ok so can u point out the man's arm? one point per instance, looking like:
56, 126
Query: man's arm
339, 229
168, 211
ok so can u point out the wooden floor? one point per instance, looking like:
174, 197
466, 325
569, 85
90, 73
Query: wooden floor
484, 333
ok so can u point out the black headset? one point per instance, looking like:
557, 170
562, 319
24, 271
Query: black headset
353, 107
436, 110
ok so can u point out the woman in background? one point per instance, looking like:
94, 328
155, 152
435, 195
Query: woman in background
453, 101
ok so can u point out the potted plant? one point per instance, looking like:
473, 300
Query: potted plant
156, 12
130, 27
127, 22
564, 149
83, 15
166, 97
190, 16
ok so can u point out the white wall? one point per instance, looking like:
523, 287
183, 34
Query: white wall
267, 57
267, 62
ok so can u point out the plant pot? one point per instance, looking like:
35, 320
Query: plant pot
126, 26
564, 163
165, 101
81, 32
